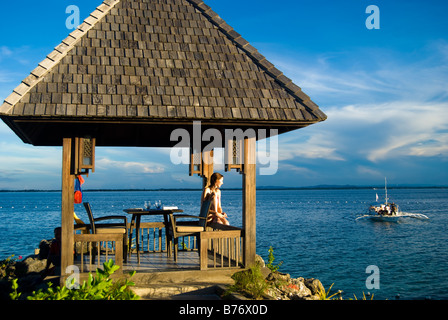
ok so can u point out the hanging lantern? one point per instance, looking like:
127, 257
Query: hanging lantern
85, 155
195, 162
234, 154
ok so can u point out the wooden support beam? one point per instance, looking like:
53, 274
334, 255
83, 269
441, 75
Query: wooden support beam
203, 253
207, 167
201, 163
249, 201
67, 205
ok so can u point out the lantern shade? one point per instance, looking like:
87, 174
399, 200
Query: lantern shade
85, 155
234, 154
195, 162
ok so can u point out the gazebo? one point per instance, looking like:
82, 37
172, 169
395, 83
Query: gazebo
136, 70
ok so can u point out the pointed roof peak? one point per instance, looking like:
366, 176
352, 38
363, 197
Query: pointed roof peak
151, 60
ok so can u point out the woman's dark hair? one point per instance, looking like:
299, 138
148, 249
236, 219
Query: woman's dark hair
215, 177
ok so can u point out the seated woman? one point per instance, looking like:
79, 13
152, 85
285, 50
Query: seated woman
212, 191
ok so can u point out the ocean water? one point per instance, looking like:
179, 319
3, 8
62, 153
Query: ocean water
314, 232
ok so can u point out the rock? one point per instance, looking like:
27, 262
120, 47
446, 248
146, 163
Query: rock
273, 293
265, 272
28, 272
314, 285
259, 260
278, 277
283, 287
297, 290
34, 264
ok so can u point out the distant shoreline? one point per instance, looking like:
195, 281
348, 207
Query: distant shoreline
320, 187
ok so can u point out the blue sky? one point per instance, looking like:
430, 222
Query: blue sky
384, 90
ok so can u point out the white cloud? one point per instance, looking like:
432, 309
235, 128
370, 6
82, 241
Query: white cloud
24, 156
380, 104
129, 166
315, 146
5, 51
371, 133
369, 172
298, 170
431, 148
16, 54
384, 131
368, 75
26, 167
412, 130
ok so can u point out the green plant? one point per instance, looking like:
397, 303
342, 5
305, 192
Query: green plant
363, 296
100, 287
271, 259
8, 267
14, 295
250, 282
325, 295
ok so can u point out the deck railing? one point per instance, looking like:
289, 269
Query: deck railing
152, 238
219, 247
223, 246
92, 248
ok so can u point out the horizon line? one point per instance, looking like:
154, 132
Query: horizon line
316, 187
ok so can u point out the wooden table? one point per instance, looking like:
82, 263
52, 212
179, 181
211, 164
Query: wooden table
137, 214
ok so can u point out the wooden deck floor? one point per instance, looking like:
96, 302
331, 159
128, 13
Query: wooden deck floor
158, 262
158, 269
150, 262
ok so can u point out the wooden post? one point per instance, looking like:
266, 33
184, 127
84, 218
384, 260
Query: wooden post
67, 205
207, 167
249, 198
203, 253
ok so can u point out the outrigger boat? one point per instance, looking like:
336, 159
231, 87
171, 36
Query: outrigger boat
385, 209
388, 212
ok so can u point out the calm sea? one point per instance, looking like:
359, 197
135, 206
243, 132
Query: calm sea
314, 232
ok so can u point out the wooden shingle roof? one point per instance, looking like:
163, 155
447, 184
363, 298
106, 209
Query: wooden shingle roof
153, 63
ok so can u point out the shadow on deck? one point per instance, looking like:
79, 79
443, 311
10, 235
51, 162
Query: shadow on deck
156, 268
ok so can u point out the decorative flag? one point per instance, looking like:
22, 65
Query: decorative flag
78, 190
